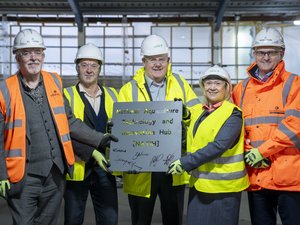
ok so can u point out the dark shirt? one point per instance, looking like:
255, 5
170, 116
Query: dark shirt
45, 148
35, 93
265, 78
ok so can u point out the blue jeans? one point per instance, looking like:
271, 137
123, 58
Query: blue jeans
102, 187
263, 205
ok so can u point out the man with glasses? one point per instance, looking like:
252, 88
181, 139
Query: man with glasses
270, 101
36, 127
156, 82
93, 104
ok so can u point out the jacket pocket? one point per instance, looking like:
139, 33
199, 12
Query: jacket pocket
286, 170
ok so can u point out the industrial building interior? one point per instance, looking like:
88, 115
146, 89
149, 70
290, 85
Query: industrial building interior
200, 33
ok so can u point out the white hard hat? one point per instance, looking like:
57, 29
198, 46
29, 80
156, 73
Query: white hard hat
268, 37
154, 45
89, 51
215, 72
28, 38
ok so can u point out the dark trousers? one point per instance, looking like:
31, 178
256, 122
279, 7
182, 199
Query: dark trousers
213, 208
171, 200
264, 204
39, 201
102, 187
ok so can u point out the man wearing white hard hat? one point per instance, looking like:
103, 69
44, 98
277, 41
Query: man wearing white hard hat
36, 127
215, 155
93, 104
270, 101
156, 82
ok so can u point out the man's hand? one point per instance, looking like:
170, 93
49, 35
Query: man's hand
106, 139
175, 168
109, 126
101, 161
185, 111
256, 160
4, 186
186, 114
265, 163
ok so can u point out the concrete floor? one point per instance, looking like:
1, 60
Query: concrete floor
124, 212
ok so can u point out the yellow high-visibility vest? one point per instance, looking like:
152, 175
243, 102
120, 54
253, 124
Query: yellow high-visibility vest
77, 107
227, 173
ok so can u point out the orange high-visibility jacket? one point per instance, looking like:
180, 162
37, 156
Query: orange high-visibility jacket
12, 108
272, 124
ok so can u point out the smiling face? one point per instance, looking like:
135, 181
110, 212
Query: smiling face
215, 90
30, 61
267, 58
88, 71
156, 66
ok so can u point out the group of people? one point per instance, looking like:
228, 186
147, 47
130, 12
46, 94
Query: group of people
54, 141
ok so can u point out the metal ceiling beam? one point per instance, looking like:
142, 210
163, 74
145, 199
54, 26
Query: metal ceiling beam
78, 15
33, 19
220, 13
218, 10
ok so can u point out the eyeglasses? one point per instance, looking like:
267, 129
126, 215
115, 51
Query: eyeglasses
269, 53
27, 53
154, 61
209, 83
85, 66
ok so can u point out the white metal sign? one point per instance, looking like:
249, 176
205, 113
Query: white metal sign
149, 135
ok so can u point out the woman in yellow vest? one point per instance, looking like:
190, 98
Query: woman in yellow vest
215, 155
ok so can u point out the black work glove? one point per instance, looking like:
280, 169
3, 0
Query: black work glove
106, 139
109, 126
185, 111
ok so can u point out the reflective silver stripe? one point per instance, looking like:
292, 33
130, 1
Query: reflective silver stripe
181, 84
71, 93
193, 102
134, 90
14, 124
287, 88
291, 135
244, 84
255, 144
6, 96
112, 94
292, 112
59, 110
229, 159
56, 80
14, 153
219, 176
65, 138
263, 120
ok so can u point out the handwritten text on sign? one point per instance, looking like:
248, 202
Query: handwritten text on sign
149, 135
